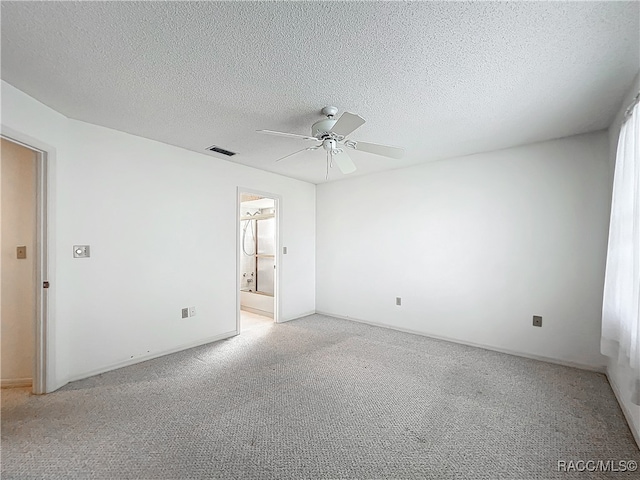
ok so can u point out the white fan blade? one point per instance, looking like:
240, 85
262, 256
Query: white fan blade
347, 123
384, 150
299, 151
344, 163
292, 135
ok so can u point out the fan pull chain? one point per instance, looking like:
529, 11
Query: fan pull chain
327, 177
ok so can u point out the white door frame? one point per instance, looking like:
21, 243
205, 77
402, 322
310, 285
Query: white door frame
43, 368
277, 294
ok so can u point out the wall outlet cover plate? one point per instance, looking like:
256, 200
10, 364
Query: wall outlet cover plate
81, 251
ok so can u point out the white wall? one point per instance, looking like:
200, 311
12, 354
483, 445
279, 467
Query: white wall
475, 246
161, 222
18, 227
620, 376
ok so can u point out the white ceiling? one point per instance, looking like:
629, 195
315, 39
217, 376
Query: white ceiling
440, 79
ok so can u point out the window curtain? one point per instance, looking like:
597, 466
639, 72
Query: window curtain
621, 305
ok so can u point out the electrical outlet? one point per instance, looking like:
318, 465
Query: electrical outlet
398, 301
537, 321
192, 311
185, 313
284, 250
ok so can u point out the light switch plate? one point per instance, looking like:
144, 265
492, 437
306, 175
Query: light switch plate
21, 252
81, 251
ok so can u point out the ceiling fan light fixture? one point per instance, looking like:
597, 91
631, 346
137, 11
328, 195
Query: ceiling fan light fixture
329, 144
331, 133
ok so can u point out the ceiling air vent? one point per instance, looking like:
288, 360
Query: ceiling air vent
222, 151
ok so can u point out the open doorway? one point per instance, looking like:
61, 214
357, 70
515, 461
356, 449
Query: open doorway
257, 260
23, 265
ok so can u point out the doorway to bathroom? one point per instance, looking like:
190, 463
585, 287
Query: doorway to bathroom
257, 260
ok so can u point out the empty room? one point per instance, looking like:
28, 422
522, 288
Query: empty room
320, 240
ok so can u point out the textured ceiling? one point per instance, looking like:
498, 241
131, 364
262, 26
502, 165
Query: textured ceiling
440, 79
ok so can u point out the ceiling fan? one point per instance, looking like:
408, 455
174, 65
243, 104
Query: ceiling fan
332, 133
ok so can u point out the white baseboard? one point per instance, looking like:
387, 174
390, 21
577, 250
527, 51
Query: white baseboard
257, 311
625, 409
151, 356
313, 312
16, 382
565, 363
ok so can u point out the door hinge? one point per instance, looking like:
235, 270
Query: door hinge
45, 284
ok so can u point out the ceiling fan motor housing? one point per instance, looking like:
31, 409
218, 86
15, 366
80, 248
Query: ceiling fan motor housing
322, 126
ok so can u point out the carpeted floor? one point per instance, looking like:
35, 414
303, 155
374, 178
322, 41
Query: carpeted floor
320, 398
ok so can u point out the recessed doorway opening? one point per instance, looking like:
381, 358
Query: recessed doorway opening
23, 284
257, 260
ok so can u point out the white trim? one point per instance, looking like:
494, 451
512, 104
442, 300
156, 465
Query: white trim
565, 363
625, 410
277, 200
41, 275
144, 358
44, 380
15, 382
298, 317
257, 311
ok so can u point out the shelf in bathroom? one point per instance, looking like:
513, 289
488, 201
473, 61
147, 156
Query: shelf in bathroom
263, 216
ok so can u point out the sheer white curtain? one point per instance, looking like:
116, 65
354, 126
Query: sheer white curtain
621, 307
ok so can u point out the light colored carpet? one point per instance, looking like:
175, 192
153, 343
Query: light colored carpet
320, 398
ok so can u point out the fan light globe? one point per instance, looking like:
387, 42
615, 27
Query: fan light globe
329, 145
